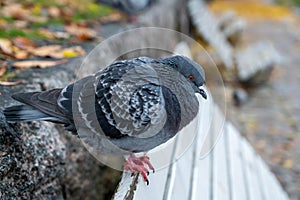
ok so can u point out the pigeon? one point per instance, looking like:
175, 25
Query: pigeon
131, 105
130, 7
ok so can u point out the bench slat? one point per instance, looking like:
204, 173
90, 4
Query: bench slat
237, 179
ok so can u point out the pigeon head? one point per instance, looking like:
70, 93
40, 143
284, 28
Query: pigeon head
193, 72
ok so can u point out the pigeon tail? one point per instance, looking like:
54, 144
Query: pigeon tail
26, 113
39, 106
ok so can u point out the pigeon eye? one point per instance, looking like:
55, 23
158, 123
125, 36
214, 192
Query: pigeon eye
191, 78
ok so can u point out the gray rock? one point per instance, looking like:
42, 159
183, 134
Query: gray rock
41, 161
32, 161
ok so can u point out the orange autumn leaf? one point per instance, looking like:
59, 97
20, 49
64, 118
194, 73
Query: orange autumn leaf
22, 42
20, 54
82, 33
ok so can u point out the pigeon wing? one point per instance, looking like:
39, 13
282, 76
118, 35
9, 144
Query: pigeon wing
130, 97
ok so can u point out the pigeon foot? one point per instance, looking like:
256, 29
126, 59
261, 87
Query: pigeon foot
136, 164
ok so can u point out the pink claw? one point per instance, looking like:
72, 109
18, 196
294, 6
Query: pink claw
137, 165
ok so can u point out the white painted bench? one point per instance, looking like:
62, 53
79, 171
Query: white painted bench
231, 171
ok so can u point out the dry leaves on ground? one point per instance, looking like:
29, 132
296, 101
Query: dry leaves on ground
20, 48
288, 164
37, 63
18, 11
53, 34
82, 33
12, 51
56, 51
11, 83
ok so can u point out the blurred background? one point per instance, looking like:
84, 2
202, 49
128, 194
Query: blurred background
255, 44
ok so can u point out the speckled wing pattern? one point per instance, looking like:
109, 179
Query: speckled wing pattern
130, 97
127, 96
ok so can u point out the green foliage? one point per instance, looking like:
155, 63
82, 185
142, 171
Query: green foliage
296, 2
77, 11
288, 2
56, 21
8, 19
11, 33
8, 33
93, 11
9, 75
43, 3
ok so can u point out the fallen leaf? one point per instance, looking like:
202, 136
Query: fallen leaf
20, 54
73, 51
46, 51
16, 11
252, 124
70, 54
13, 83
56, 51
46, 33
111, 18
37, 63
22, 42
36, 10
288, 164
54, 12
82, 33
53, 35
3, 67
6, 46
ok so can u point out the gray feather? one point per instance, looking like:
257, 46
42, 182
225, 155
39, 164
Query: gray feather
27, 113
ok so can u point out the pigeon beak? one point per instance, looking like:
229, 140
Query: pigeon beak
203, 93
